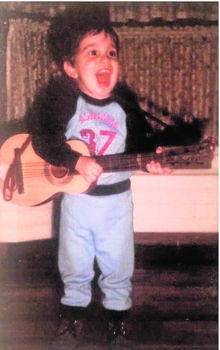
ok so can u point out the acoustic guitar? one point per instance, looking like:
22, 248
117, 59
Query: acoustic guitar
26, 179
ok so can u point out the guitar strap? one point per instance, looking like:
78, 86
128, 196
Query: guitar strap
158, 121
24, 145
14, 177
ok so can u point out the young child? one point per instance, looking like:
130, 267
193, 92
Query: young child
88, 103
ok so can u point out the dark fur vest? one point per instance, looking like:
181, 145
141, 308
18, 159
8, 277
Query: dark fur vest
55, 104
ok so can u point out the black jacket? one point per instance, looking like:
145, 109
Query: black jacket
55, 104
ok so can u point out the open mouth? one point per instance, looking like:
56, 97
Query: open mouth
103, 77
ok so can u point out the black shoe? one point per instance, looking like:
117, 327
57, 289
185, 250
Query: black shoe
117, 326
73, 327
70, 328
117, 330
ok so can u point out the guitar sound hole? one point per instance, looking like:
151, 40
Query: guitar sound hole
59, 172
58, 175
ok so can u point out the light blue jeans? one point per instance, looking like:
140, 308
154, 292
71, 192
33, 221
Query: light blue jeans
101, 227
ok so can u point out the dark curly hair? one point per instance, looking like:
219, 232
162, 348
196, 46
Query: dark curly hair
69, 27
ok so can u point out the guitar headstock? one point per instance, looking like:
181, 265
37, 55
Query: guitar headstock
192, 156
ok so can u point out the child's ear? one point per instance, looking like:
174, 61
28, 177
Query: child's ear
70, 70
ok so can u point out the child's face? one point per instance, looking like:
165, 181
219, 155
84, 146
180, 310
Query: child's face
95, 66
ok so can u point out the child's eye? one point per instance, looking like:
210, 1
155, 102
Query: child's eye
113, 54
93, 53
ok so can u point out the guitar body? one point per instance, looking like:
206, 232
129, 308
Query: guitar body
41, 180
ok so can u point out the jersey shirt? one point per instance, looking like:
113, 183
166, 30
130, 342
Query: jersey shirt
103, 129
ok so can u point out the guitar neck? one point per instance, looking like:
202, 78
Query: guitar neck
127, 162
193, 156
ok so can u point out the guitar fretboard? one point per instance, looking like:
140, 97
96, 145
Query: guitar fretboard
123, 161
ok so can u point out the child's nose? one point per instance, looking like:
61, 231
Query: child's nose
104, 57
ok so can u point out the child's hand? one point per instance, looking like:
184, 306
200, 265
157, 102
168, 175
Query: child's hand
156, 168
88, 168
